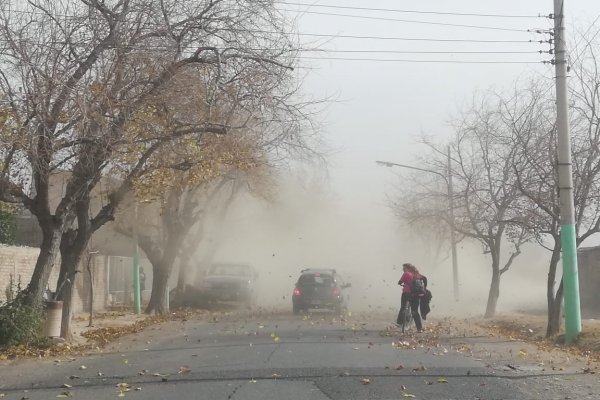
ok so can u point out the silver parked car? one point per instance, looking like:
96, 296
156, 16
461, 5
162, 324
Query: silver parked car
229, 282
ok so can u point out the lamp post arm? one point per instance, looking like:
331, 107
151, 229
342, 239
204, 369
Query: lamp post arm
392, 164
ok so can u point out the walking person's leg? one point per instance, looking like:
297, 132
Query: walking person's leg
403, 301
414, 305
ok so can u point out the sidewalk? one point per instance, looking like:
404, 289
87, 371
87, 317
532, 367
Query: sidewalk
107, 327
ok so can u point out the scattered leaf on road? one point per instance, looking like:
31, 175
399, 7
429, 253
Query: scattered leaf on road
522, 353
365, 381
442, 380
184, 370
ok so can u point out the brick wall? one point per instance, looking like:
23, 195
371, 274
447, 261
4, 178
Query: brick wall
19, 263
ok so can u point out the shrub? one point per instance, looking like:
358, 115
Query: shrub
19, 323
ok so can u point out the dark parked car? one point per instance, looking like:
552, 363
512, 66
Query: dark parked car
229, 282
320, 289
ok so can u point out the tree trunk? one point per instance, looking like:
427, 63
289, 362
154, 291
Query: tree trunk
554, 301
51, 236
73, 244
554, 312
184, 273
494, 293
71, 253
162, 268
160, 281
90, 269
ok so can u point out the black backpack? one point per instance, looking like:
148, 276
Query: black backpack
418, 286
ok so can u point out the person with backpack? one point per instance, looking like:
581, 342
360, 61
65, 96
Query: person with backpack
414, 288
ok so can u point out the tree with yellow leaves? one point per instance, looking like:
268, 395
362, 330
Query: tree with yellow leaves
95, 88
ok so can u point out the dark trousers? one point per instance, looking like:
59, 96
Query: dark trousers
414, 306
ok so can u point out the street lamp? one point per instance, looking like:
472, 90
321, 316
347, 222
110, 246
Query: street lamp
448, 179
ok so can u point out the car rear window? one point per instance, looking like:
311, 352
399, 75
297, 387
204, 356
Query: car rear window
316, 279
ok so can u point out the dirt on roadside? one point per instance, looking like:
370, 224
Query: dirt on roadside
532, 329
106, 328
514, 329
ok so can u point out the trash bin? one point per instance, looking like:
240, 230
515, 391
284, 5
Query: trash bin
53, 318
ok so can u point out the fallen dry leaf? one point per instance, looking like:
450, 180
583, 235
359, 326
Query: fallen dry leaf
522, 353
365, 381
184, 370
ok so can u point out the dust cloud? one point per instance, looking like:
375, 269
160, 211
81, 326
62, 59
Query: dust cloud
306, 226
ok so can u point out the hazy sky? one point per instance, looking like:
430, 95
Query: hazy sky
381, 110
383, 106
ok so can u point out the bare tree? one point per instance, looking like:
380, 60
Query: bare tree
213, 208
485, 192
182, 209
537, 168
89, 88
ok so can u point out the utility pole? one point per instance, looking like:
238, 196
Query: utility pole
565, 181
452, 233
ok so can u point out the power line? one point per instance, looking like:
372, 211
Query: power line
411, 11
425, 51
411, 21
423, 61
334, 36
150, 46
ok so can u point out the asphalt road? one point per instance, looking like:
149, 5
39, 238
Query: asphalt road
285, 357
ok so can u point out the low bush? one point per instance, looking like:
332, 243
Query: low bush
19, 323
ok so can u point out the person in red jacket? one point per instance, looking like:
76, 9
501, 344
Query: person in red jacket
406, 281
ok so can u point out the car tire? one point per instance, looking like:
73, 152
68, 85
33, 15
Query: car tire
297, 310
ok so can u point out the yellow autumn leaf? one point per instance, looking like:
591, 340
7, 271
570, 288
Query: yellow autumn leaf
522, 353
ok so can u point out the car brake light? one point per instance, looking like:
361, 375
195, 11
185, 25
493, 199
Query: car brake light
296, 292
336, 292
